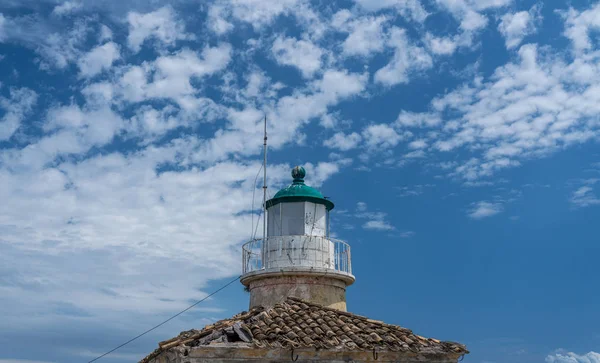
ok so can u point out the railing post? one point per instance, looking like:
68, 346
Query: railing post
349, 261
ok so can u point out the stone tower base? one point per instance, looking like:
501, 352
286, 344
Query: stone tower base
323, 288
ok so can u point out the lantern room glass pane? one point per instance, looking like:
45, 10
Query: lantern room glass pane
274, 220
315, 218
292, 218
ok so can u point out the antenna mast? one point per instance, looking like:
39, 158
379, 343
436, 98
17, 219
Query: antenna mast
265, 185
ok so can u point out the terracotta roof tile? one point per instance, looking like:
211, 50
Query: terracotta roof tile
296, 323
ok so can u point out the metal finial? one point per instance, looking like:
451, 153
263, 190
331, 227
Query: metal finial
298, 173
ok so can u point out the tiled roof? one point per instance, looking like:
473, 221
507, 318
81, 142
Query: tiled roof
300, 324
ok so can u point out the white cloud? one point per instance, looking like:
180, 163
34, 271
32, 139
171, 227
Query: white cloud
217, 20
441, 45
585, 195
301, 54
485, 209
317, 174
407, 8
377, 225
343, 142
296, 109
516, 26
170, 76
98, 59
365, 37
528, 108
375, 220
118, 211
380, 136
67, 7
105, 33
161, 25
341, 84
57, 49
407, 58
16, 107
71, 130
258, 13
562, 356
411, 119
361, 206
418, 144
578, 25
473, 21
468, 12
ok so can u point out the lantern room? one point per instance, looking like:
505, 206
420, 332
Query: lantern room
298, 210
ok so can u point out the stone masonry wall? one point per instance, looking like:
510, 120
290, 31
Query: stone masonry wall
325, 291
232, 354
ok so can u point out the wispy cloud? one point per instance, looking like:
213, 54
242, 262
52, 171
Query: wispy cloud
407, 234
375, 220
484, 209
585, 194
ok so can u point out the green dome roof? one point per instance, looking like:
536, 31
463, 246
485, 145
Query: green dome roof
299, 192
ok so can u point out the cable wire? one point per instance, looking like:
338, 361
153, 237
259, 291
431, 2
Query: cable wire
166, 321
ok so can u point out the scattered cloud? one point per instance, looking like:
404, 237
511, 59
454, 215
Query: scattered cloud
407, 234
98, 59
407, 58
563, 356
469, 12
528, 109
417, 144
16, 107
365, 35
485, 209
343, 142
413, 190
256, 13
441, 45
361, 206
67, 7
380, 136
217, 21
585, 195
161, 25
322, 171
375, 220
301, 54
378, 225
407, 8
516, 26
57, 48
578, 25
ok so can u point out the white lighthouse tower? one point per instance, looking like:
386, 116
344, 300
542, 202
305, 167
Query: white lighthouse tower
297, 257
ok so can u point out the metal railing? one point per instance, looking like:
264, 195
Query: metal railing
296, 251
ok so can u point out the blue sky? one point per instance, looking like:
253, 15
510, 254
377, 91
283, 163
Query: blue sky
458, 139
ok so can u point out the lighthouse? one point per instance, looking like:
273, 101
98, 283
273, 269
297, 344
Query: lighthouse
297, 257
297, 276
